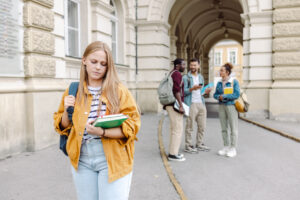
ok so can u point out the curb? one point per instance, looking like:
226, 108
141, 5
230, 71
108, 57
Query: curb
163, 155
271, 129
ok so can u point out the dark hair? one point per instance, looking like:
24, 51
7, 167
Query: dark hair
228, 67
177, 61
195, 60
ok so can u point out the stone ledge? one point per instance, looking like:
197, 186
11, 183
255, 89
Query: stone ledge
38, 16
285, 15
286, 29
39, 66
286, 58
286, 73
286, 44
46, 3
285, 3
38, 41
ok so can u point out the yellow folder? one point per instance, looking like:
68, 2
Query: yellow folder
228, 90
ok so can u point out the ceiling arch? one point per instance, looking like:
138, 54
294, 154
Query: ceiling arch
213, 38
201, 22
235, 16
205, 28
217, 33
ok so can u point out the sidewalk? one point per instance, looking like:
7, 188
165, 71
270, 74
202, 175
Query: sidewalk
45, 174
267, 167
291, 128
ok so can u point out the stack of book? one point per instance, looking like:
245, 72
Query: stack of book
110, 121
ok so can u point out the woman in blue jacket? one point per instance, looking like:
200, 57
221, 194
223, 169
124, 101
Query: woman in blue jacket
227, 91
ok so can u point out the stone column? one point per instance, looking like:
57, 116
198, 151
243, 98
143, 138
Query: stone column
285, 92
101, 22
38, 39
246, 52
258, 62
39, 67
205, 68
181, 50
173, 48
153, 62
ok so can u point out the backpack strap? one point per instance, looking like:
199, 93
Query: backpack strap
72, 91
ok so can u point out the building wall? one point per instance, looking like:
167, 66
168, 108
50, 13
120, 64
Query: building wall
37, 69
285, 90
225, 47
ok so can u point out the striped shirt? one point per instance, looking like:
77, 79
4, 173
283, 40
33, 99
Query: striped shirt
96, 93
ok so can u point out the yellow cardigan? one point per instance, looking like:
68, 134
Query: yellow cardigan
118, 152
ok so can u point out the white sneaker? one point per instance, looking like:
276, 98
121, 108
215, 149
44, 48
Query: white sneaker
223, 151
231, 153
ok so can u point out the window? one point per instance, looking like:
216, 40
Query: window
232, 56
218, 58
72, 28
114, 32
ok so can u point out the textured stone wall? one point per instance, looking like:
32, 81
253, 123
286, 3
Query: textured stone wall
39, 64
286, 43
286, 60
39, 45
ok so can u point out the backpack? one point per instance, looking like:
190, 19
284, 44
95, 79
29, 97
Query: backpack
165, 90
241, 104
64, 138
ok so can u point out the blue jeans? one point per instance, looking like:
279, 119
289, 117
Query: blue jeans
91, 178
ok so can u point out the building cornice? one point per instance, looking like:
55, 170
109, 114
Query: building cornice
102, 5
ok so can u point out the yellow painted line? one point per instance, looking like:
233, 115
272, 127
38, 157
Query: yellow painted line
166, 163
272, 129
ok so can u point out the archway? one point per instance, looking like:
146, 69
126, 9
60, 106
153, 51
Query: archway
198, 25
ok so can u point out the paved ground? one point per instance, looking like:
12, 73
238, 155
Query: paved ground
45, 175
267, 167
292, 128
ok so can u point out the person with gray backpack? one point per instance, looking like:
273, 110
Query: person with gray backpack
170, 90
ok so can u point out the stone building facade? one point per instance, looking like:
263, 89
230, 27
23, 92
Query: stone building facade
42, 41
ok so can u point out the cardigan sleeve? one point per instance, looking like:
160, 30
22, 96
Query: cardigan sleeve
128, 107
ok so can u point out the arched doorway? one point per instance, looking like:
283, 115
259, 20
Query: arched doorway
197, 25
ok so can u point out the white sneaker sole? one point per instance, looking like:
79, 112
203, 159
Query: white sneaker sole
178, 160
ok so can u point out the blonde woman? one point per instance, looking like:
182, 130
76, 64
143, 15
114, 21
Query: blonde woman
101, 159
227, 91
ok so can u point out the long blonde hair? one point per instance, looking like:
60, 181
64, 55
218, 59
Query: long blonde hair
110, 80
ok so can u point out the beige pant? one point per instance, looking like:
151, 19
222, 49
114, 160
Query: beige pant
176, 127
198, 114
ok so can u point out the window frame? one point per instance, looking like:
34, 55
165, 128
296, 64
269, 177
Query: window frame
235, 50
221, 57
114, 19
67, 28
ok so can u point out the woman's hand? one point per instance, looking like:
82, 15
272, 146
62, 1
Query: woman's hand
93, 130
69, 101
207, 91
221, 98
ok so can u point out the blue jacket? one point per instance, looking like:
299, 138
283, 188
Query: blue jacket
189, 83
228, 99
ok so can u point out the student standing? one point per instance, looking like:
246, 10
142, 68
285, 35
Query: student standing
101, 159
176, 117
193, 83
227, 91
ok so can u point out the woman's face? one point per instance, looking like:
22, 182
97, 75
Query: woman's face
223, 72
96, 65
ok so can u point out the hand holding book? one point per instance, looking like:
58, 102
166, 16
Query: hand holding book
110, 121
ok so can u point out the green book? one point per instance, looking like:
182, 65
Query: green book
110, 121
